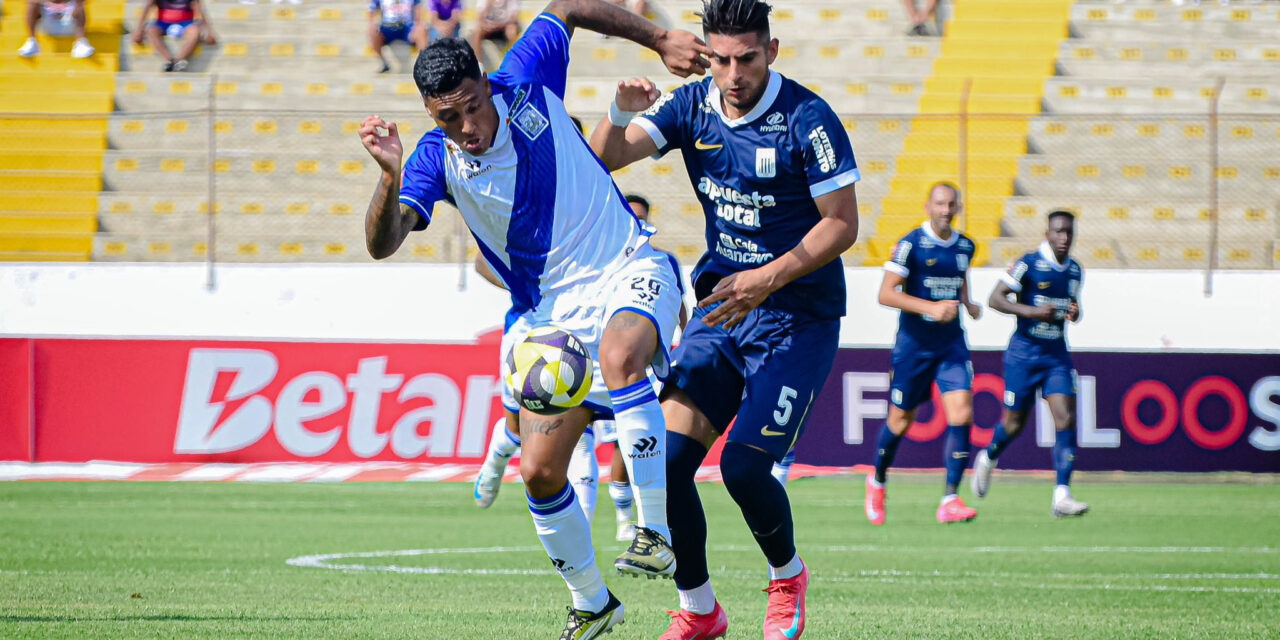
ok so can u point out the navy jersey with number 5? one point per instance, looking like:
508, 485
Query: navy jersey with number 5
1039, 279
934, 269
757, 177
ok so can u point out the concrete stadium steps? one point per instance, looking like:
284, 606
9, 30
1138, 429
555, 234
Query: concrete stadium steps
1142, 96
1157, 56
1125, 230
1151, 253
1239, 139
188, 171
327, 133
1149, 21
1181, 178
258, 247
1151, 212
51, 166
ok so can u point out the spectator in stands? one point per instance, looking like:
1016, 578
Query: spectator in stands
921, 16
60, 19
497, 20
391, 20
445, 19
183, 20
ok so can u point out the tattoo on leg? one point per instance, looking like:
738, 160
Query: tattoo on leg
545, 426
624, 321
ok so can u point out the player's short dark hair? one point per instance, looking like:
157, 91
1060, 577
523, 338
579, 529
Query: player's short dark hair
945, 183
732, 17
1061, 213
635, 198
443, 65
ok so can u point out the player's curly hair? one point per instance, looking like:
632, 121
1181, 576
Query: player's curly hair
732, 17
1061, 213
443, 65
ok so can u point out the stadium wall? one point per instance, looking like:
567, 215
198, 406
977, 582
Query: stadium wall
394, 363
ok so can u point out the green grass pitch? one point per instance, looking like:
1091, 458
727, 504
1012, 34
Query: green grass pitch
187, 560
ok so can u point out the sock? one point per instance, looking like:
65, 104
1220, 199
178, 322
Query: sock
642, 434
621, 494
1061, 491
502, 444
700, 600
1064, 455
999, 440
782, 470
688, 522
956, 454
566, 535
762, 500
886, 449
789, 570
584, 472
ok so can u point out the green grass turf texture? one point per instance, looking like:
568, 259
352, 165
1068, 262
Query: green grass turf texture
187, 560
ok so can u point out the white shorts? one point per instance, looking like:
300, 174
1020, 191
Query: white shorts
644, 284
606, 431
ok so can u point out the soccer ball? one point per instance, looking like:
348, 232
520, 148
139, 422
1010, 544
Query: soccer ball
550, 371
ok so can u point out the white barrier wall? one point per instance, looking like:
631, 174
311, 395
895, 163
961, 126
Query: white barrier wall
1123, 309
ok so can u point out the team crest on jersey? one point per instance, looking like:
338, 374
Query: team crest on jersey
1044, 285
766, 163
531, 122
962, 262
930, 262
774, 123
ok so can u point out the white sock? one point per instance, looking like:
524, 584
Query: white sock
871, 480
1061, 491
642, 434
566, 535
700, 600
791, 569
621, 494
502, 444
949, 497
584, 472
781, 472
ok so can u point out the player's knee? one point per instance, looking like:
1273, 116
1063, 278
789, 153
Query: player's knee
541, 479
622, 363
960, 415
743, 467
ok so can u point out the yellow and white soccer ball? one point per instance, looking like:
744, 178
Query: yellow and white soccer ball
549, 371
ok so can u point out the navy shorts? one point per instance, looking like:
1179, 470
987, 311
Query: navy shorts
391, 34
913, 371
765, 372
1051, 375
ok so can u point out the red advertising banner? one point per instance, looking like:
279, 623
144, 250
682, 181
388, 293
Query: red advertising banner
215, 401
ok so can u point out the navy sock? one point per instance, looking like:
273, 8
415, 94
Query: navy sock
886, 449
956, 452
999, 440
761, 498
684, 511
1064, 454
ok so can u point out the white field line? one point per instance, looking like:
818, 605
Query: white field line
1099, 581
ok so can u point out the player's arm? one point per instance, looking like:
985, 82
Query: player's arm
741, 292
682, 52
486, 272
1003, 299
892, 295
974, 309
618, 141
387, 222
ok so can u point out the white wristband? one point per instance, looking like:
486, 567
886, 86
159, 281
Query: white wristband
620, 118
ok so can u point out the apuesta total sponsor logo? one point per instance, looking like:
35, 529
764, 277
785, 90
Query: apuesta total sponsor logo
436, 416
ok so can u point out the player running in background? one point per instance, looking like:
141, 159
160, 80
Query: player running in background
927, 279
554, 228
774, 172
1042, 289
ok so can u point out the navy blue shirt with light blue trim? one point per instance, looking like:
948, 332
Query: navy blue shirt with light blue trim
933, 269
756, 178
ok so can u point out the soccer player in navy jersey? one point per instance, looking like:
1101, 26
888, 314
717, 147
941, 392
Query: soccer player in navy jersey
1042, 288
774, 172
927, 279
554, 228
